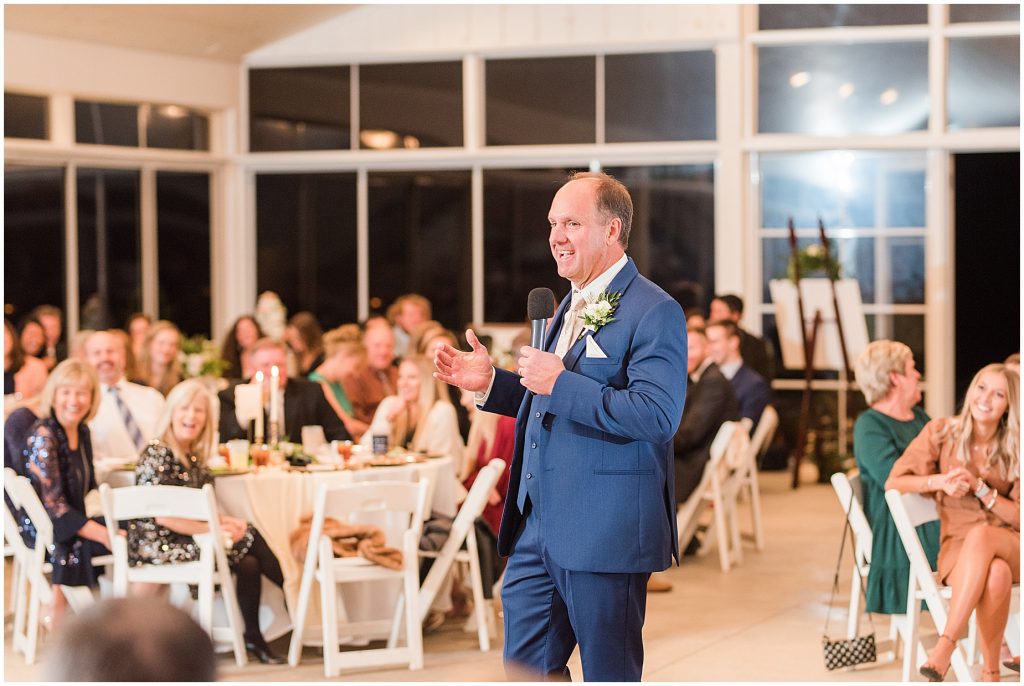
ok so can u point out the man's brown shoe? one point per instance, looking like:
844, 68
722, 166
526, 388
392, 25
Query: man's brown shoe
656, 584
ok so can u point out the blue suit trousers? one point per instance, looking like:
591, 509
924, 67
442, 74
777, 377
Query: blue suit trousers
548, 610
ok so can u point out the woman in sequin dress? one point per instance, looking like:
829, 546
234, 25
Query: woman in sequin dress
177, 457
58, 462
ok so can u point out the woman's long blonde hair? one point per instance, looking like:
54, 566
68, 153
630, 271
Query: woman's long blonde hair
431, 392
1005, 459
183, 394
482, 430
172, 375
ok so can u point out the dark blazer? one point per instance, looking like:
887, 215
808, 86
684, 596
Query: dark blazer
756, 353
596, 454
710, 402
304, 405
752, 392
17, 429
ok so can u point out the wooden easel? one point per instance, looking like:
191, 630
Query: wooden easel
809, 341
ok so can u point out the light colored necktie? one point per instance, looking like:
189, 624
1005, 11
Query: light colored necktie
129, 421
571, 326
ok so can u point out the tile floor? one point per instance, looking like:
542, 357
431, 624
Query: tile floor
762, 621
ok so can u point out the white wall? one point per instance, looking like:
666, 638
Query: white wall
405, 31
40, 64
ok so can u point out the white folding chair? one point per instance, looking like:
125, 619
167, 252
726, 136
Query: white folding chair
464, 530
763, 434
729, 445
19, 553
909, 511
405, 504
209, 571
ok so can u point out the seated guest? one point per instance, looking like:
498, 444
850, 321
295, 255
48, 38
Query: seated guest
344, 356
406, 314
420, 417
971, 463
127, 414
158, 365
710, 402
1013, 362
178, 457
24, 375
756, 352
431, 339
137, 327
305, 339
236, 346
377, 378
491, 436
886, 374
76, 348
50, 317
752, 390
303, 401
132, 639
695, 318
33, 339
58, 462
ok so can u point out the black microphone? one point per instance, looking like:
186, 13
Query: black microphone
540, 306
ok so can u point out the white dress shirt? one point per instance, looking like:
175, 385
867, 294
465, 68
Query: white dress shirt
110, 437
729, 369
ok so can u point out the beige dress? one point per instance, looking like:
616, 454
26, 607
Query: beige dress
926, 455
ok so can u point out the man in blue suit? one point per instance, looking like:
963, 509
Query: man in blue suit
590, 511
752, 390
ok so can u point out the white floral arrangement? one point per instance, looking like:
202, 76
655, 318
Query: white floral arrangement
200, 357
271, 314
599, 312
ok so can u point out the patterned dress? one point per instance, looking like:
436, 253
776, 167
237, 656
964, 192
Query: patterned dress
150, 543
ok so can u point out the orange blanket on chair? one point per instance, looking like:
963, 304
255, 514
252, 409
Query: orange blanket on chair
347, 540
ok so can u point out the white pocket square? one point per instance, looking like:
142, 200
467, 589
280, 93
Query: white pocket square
594, 350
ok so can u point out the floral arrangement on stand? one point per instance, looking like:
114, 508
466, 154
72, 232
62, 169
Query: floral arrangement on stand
813, 264
200, 357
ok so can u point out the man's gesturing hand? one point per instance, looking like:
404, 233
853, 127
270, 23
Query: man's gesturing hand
539, 369
469, 370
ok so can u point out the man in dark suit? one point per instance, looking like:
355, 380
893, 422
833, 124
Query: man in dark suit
752, 390
756, 352
304, 401
710, 402
590, 511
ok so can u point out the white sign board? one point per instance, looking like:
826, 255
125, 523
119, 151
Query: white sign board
817, 295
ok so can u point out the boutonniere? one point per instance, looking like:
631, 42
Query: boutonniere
598, 313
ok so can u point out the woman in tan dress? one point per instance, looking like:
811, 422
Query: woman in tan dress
971, 462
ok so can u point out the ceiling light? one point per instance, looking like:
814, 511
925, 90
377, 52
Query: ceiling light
799, 79
889, 96
846, 90
173, 111
378, 139
410, 142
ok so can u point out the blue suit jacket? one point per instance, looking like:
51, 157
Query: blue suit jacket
599, 449
752, 392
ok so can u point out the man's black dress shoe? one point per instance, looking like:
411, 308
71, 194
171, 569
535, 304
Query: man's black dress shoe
262, 652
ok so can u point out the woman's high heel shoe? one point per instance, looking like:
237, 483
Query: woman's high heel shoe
930, 671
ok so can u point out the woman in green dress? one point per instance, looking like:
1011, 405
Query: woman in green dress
887, 376
344, 353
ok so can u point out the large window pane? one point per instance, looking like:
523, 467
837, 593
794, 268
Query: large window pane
516, 252
410, 105
856, 257
984, 82
965, 13
306, 243
105, 123
299, 109
183, 239
845, 189
820, 16
33, 239
172, 126
906, 259
25, 116
673, 234
542, 101
109, 252
420, 241
660, 96
838, 90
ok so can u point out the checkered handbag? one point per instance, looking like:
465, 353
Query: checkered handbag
847, 652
